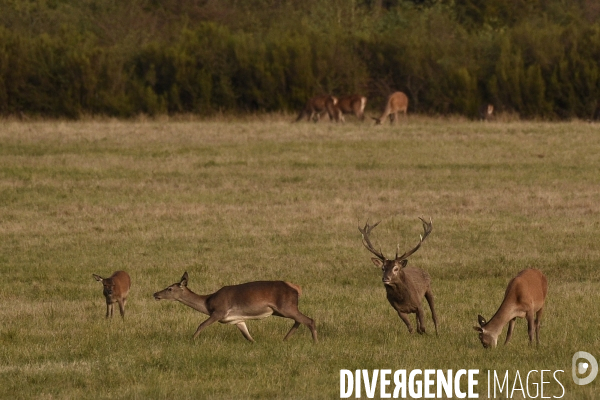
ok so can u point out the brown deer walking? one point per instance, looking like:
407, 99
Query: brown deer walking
524, 298
405, 286
115, 290
317, 107
238, 303
396, 102
352, 104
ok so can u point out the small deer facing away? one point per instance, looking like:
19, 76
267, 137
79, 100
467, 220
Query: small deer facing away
238, 303
396, 102
115, 290
405, 286
351, 104
524, 298
317, 106
486, 111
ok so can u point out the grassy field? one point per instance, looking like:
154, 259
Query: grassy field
231, 201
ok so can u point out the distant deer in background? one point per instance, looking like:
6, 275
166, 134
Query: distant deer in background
524, 298
318, 106
116, 289
352, 104
486, 111
405, 286
238, 303
396, 102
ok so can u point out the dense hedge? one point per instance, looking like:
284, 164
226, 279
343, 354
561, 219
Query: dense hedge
71, 58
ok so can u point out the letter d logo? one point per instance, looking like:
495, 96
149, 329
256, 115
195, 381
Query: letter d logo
580, 368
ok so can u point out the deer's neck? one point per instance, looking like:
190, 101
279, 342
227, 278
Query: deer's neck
505, 313
196, 301
398, 287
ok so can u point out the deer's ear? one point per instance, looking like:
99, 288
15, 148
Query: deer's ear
378, 263
481, 320
97, 277
478, 329
184, 280
403, 263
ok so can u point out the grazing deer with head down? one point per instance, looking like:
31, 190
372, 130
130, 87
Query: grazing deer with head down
115, 290
238, 303
352, 104
396, 102
524, 298
318, 106
405, 286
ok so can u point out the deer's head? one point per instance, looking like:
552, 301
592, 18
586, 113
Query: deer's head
487, 339
391, 268
175, 291
108, 285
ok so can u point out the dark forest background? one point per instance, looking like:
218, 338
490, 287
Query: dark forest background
69, 58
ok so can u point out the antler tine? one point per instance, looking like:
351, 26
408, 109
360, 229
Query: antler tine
367, 242
427, 228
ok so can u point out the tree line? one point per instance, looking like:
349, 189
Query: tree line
68, 58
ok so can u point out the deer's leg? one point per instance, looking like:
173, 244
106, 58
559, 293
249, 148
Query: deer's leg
211, 320
511, 326
310, 323
530, 316
315, 116
404, 317
300, 318
122, 307
244, 329
420, 321
429, 297
538, 320
292, 330
109, 310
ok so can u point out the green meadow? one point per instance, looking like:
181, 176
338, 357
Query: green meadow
231, 200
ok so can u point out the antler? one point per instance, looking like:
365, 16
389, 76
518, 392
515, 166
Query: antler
427, 227
367, 242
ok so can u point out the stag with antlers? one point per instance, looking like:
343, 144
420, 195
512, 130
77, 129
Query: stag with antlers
405, 286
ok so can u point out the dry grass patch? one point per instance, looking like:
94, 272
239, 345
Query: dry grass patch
261, 198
